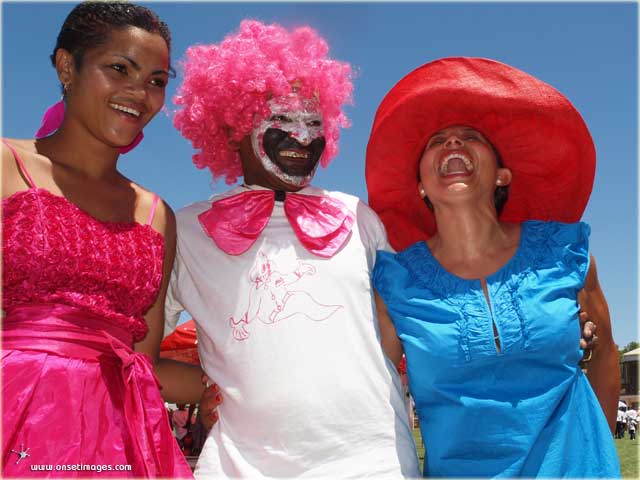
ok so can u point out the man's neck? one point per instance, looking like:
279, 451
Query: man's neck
277, 188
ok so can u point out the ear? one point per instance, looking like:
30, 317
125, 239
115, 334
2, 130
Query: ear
503, 177
421, 191
65, 66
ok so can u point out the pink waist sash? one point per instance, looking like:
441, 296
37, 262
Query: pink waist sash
64, 330
71, 332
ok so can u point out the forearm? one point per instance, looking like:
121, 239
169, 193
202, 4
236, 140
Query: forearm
393, 349
603, 372
181, 382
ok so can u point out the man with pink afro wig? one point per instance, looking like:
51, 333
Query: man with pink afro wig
277, 273
226, 88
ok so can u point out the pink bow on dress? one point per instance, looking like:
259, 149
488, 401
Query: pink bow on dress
321, 223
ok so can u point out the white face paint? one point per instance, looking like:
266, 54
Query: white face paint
294, 139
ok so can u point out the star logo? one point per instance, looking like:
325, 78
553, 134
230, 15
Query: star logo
22, 453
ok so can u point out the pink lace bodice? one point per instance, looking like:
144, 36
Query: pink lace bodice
54, 252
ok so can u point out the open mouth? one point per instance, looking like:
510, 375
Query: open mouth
128, 110
455, 164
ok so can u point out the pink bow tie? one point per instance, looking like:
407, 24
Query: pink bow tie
321, 223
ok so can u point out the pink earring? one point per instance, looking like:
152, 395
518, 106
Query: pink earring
51, 120
133, 144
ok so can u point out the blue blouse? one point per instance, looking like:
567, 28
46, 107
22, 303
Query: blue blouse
525, 409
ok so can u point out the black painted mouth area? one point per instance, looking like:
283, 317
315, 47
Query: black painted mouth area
276, 141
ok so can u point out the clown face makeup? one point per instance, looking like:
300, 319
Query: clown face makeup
290, 142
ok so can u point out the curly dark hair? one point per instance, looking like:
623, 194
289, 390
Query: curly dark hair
88, 25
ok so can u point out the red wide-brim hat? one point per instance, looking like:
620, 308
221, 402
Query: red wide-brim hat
539, 134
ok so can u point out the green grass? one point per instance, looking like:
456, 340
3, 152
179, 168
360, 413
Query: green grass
420, 446
627, 453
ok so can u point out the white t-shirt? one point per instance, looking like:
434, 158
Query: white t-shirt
292, 340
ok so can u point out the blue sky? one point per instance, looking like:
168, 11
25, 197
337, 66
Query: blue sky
589, 51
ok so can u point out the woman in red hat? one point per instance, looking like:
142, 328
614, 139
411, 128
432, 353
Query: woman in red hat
482, 296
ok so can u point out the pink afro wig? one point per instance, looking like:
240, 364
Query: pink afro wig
226, 87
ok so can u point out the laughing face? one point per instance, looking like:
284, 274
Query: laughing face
458, 161
290, 142
119, 86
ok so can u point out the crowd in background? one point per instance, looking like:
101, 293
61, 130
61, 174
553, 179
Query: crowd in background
626, 421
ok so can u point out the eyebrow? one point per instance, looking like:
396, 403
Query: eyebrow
135, 65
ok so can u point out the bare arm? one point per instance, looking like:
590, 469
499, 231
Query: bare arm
603, 370
181, 382
391, 344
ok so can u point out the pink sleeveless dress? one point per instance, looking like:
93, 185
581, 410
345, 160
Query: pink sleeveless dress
77, 401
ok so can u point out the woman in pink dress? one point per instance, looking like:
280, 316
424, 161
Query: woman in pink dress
86, 259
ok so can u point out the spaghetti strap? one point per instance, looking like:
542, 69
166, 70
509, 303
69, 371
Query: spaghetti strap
156, 198
21, 166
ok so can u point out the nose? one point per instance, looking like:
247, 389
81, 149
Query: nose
302, 134
453, 141
137, 90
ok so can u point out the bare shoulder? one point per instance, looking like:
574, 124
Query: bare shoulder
13, 178
151, 205
23, 144
25, 148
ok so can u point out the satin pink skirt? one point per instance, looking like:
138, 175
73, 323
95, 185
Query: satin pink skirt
77, 401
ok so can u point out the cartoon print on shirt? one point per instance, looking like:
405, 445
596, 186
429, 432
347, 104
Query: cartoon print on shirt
271, 300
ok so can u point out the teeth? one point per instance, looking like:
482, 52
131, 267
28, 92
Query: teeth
122, 108
289, 153
445, 163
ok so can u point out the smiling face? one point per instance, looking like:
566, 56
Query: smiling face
459, 162
119, 87
290, 142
